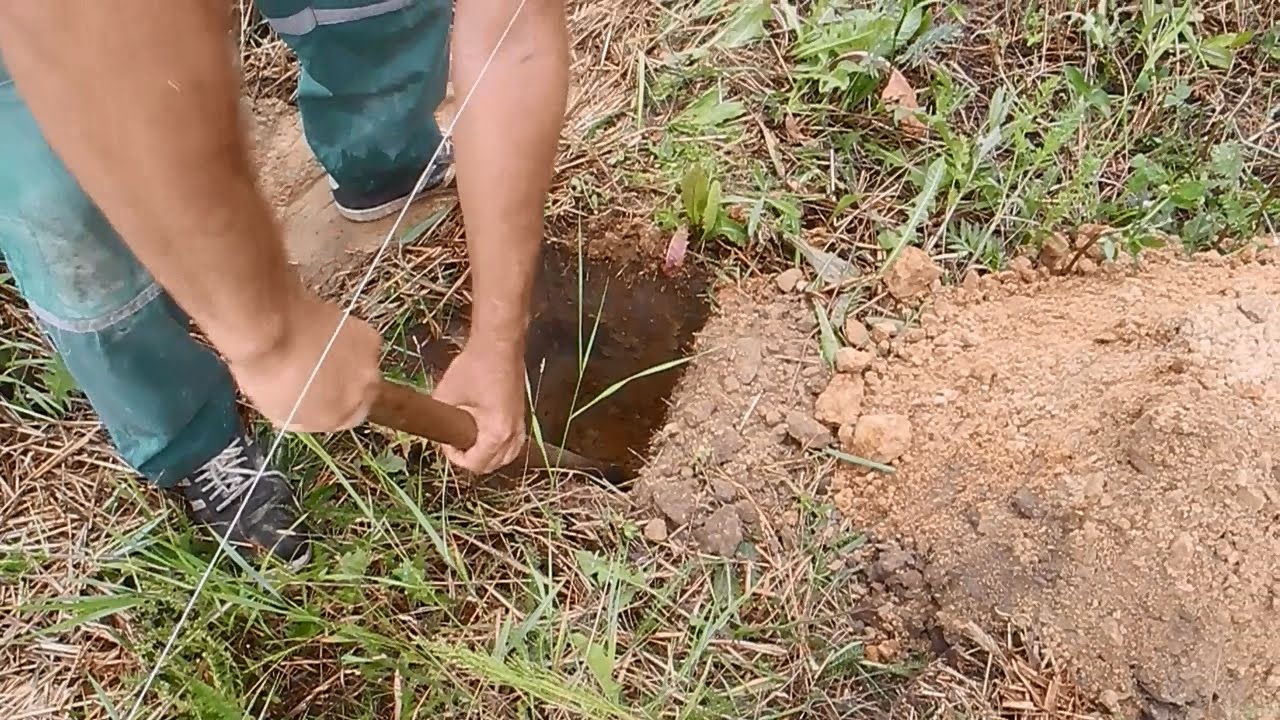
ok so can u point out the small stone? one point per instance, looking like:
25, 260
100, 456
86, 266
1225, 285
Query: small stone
1086, 266
972, 280
725, 445
1027, 504
772, 417
656, 530
855, 333
731, 385
787, 280
807, 431
721, 533
747, 359
1110, 699
841, 402
850, 360
881, 438
747, 512
911, 274
676, 501
882, 330
724, 491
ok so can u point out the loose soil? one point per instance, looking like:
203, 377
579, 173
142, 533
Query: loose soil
1095, 455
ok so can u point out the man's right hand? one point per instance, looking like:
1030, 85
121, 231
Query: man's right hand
342, 392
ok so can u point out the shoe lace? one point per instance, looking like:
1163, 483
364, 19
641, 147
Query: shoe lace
227, 477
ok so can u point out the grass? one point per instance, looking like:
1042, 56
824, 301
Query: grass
757, 128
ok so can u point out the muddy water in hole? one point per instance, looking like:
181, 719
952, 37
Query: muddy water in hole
640, 321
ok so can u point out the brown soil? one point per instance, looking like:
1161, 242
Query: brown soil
723, 466
1095, 455
625, 323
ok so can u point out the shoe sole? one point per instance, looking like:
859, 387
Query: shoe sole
378, 212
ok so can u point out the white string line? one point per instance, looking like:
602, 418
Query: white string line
253, 484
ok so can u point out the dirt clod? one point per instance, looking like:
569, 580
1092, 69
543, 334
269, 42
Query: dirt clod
807, 431
882, 438
855, 333
746, 361
911, 274
851, 360
841, 402
721, 533
790, 279
1055, 254
676, 501
656, 530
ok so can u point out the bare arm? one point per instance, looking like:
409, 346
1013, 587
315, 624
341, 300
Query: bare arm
142, 106
506, 145
507, 138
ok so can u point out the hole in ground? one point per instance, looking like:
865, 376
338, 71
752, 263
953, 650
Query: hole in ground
622, 323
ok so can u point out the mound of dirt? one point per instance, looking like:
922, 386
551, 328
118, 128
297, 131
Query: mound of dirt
721, 469
1096, 455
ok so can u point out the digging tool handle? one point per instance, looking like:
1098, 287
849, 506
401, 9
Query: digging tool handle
402, 408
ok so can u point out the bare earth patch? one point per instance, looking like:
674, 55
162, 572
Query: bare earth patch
1096, 456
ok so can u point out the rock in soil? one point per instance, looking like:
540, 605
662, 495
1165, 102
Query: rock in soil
721, 533
807, 431
850, 360
911, 274
881, 438
677, 501
856, 334
841, 402
656, 530
788, 280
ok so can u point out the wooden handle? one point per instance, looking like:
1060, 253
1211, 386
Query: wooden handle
400, 407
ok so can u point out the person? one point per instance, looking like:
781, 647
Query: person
129, 208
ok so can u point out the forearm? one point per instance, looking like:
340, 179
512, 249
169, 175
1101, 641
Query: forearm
143, 109
506, 140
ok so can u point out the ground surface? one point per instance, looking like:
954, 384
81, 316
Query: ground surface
1096, 454
872, 482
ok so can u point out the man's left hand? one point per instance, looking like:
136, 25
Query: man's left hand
489, 384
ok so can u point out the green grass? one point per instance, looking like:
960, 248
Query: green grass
756, 127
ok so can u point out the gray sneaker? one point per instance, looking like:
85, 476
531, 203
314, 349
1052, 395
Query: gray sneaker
271, 517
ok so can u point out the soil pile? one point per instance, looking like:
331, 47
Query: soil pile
1097, 455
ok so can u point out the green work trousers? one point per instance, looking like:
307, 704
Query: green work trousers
373, 72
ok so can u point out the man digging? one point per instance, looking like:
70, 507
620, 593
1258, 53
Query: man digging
128, 204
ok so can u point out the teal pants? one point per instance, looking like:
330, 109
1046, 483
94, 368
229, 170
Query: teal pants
373, 72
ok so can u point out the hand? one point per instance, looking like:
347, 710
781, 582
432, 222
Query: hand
342, 392
487, 382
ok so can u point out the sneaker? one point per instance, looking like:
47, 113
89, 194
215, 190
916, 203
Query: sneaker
367, 207
270, 519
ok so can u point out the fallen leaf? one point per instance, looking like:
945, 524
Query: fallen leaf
831, 268
675, 251
792, 126
898, 93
